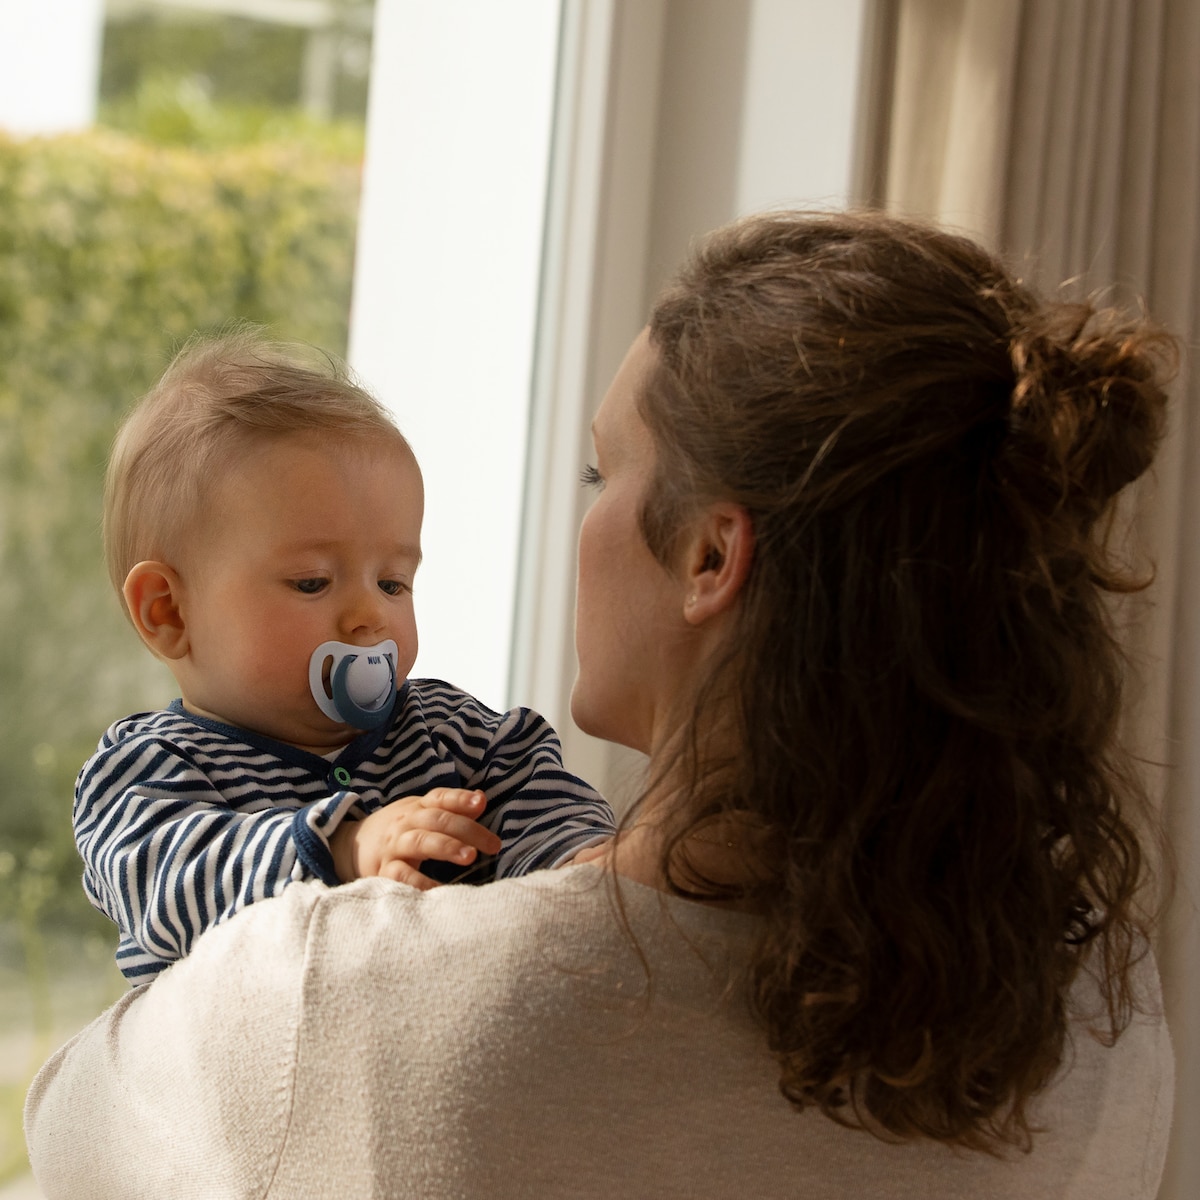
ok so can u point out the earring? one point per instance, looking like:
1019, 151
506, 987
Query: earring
691, 600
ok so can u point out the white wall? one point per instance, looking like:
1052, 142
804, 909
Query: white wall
49, 64
757, 110
798, 112
445, 295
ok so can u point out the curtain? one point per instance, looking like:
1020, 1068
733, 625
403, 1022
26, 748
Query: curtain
1066, 135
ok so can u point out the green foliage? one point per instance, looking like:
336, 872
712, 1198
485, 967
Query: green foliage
176, 110
243, 60
112, 251
235, 59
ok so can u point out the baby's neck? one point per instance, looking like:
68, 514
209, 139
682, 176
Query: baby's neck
324, 747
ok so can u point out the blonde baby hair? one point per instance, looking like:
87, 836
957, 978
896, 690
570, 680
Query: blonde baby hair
219, 398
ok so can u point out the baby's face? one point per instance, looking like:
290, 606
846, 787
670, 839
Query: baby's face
308, 540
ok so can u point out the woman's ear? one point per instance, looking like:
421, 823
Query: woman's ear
719, 553
153, 592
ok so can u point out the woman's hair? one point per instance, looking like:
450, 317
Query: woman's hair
219, 399
923, 684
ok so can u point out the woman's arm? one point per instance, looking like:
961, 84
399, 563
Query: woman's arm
182, 1088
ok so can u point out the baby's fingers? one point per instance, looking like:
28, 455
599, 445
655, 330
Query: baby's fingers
439, 819
422, 844
467, 802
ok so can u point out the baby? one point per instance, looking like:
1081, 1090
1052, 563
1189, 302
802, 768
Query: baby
262, 522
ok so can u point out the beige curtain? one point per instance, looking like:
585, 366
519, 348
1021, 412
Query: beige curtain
1066, 133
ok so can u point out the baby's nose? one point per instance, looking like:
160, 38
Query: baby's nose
363, 611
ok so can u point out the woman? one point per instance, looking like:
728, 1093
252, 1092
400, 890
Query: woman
873, 928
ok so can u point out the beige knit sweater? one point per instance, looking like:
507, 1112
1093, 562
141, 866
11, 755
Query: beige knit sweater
503, 1041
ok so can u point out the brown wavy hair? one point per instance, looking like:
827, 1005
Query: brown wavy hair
924, 683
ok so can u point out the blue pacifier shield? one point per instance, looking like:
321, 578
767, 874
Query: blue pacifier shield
355, 685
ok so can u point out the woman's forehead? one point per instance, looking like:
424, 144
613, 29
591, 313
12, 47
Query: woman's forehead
618, 417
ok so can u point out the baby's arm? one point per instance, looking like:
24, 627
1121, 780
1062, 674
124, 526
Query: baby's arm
167, 855
543, 814
394, 840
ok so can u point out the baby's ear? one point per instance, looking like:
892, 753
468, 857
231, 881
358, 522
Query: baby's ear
153, 592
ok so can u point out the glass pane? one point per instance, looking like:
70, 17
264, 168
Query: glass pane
218, 181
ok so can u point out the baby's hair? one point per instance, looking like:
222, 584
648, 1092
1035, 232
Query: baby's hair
220, 397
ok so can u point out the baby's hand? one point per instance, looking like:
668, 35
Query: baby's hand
394, 840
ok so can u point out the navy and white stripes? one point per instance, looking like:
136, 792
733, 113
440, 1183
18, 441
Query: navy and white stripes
182, 821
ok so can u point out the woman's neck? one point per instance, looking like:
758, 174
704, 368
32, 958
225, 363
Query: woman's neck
718, 853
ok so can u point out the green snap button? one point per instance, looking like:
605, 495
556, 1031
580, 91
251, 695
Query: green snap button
342, 776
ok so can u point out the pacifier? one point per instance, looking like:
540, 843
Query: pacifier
355, 685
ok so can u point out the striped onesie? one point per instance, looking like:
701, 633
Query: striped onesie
182, 821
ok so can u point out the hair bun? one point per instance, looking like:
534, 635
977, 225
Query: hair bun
1088, 400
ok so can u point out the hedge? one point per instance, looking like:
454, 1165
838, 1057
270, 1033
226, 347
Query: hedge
112, 251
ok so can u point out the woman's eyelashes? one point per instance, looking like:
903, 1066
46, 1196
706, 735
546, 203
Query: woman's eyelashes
590, 477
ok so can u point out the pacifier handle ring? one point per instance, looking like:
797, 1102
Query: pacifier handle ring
349, 710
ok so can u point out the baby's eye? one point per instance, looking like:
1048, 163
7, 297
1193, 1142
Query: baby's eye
392, 587
590, 477
310, 587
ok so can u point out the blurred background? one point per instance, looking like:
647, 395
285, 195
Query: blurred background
162, 169
476, 203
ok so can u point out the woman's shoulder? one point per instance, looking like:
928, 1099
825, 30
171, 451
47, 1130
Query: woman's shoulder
545, 922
